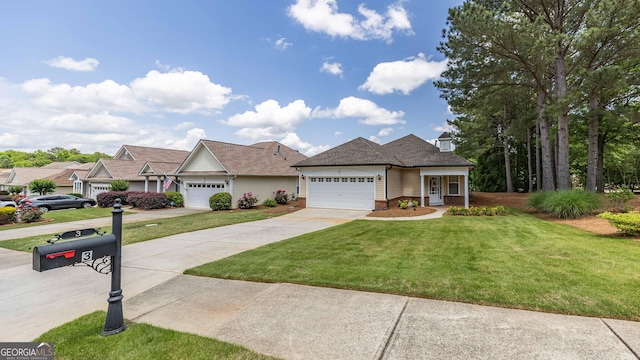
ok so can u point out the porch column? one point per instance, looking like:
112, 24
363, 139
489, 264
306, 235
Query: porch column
146, 184
158, 184
466, 190
421, 190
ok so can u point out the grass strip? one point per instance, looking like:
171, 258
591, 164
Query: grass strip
81, 339
154, 229
517, 261
67, 215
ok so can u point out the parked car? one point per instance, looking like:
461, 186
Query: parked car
55, 202
7, 203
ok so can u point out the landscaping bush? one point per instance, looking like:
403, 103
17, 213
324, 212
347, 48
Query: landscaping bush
619, 199
247, 201
281, 196
270, 203
15, 189
119, 185
7, 215
627, 223
565, 204
107, 199
148, 200
42, 186
30, 215
478, 211
4, 192
220, 201
175, 198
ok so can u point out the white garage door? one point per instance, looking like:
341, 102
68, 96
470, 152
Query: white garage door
198, 194
341, 193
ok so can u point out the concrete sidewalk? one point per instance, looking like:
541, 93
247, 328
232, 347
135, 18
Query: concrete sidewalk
293, 321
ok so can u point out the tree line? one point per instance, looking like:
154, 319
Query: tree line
546, 92
12, 158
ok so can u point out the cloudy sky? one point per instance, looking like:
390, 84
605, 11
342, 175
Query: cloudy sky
311, 74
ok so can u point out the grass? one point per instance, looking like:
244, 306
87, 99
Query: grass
517, 261
154, 229
61, 216
81, 339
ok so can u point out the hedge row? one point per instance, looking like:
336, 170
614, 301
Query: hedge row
478, 211
137, 199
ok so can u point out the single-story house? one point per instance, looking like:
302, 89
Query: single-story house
214, 166
63, 174
361, 174
139, 165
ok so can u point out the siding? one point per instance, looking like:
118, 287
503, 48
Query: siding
203, 161
394, 183
411, 182
262, 187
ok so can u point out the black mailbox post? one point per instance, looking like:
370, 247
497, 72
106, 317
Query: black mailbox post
105, 250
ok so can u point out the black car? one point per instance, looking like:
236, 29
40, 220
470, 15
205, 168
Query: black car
55, 202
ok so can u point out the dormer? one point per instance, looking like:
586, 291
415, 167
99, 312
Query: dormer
445, 141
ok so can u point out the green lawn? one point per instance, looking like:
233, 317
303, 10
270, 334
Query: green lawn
60, 216
148, 230
516, 261
81, 339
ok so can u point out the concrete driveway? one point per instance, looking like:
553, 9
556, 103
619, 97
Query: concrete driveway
32, 302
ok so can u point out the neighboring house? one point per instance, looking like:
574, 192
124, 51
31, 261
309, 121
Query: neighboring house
214, 167
145, 168
361, 174
61, 173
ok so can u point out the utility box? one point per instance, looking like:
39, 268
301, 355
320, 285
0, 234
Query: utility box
52, 256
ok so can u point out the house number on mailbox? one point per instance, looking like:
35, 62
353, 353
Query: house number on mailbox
87, 255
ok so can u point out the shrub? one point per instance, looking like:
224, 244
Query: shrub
220, 201
270, 203
175, 198
107, 199
414, 203
619, 199
478, 211
4, 192
15, 189
30, 215
148, 200
627, 223
119, 185
281, 196
247, 201
403, 204
42, 186
565, 204
7, 215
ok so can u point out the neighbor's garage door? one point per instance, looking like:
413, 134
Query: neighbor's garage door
198, 194
341, 193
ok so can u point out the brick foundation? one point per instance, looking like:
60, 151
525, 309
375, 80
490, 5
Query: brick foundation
302, 202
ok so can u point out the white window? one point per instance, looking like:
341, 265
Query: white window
454, 185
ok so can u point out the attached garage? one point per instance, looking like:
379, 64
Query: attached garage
198, 194
341, 192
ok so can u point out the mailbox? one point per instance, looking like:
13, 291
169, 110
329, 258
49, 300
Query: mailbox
47, 257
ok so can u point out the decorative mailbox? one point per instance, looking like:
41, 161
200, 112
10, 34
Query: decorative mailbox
52, 256
103, 253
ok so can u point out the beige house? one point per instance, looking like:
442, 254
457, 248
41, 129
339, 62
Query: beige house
64, 174
145, 168
214, 167
364, 175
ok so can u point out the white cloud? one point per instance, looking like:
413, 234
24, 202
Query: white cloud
293, 141
442, 128
184, 125
100, 123
404, 75
189, 141
337, 133
282, 44
323, 16
62, 62
177, 91
385, 132
332, 68
367, 111
269, 120
180, 91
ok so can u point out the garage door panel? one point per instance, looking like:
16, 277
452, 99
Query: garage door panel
342, 193
198, 194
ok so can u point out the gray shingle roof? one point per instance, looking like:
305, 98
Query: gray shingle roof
155, 154
261, 159
409, 151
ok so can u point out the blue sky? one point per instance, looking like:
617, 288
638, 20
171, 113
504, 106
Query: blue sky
311, 74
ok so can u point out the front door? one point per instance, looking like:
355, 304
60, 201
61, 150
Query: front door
435, 191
